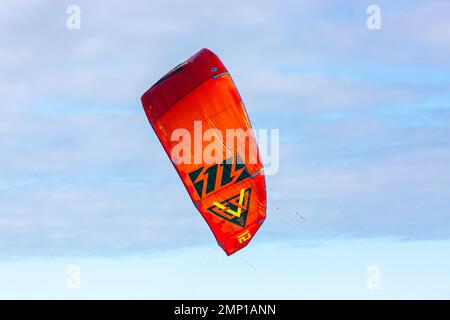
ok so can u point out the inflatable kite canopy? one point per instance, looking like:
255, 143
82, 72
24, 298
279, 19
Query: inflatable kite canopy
198, 97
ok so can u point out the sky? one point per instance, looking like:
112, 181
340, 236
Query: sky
364, 150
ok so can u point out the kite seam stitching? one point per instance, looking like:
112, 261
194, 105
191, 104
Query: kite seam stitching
220, 74
255, 174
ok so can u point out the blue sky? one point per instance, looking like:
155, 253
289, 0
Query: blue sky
364, 155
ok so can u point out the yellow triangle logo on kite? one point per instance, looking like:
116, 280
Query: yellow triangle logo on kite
234, 209
239, 209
